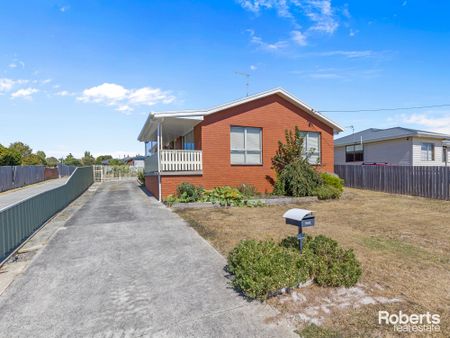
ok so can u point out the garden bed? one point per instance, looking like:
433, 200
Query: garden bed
272, 200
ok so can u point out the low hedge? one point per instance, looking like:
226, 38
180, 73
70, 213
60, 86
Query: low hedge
327, 192
262, 268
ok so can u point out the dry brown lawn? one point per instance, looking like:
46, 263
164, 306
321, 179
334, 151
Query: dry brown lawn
403, 244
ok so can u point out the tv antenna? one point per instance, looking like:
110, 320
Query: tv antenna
247, 80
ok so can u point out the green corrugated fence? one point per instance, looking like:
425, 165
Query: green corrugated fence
22, 219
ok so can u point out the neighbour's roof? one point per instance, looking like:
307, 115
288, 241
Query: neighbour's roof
197, 115
374, 135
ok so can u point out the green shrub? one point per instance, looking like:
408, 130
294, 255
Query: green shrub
261, 268
291, 242
314, 331
333, 266
332, 180
326, 192
297, 179
187, 192
225, 196
254, 203
248, 190
141, 177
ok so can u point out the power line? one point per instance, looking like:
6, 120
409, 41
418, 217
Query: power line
385, 109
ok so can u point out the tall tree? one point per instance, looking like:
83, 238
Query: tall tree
52, 161
71, 160
21, 148
9, 157
102, 158
33, 159
88, 159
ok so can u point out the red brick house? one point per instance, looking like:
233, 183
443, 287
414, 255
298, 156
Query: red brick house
232, 143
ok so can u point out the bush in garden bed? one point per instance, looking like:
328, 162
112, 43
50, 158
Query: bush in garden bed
262, 268
333, 181
327, 192
224, 196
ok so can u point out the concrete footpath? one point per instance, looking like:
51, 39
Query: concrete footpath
13, 196
126, 266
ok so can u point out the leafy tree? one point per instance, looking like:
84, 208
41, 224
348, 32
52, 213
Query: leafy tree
288, 152
41, 154
21, 148
115, 161
33, 159
71, 160
88, 159
295, 176
102, 158
52, 161
9, 157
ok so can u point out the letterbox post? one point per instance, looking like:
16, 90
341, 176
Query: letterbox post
300, 218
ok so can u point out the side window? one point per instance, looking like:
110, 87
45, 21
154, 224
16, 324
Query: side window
311, 146
246, 145
427, 152
354, 153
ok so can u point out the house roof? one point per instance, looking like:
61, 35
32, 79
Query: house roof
375, 135
196, 116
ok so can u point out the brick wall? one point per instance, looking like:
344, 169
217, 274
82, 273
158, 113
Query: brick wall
274, 115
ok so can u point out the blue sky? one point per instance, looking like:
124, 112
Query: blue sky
83, 75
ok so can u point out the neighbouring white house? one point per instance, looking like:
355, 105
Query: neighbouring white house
393, 146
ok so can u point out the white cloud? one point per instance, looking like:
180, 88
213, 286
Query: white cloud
124, 99
299, 38
316, 16
351, 54
64, 8
8, 84
271, 47
64, 93
24, 93
322, 15
404, 3
16, 63
253, 67
439, 123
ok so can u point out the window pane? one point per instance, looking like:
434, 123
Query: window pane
253, 139
237, 157
358, 147
313, 142
253, 157
237, 138
314, 158
349, 149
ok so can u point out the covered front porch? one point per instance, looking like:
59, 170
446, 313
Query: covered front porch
172, 145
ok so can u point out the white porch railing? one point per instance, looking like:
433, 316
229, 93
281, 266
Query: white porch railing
175, 160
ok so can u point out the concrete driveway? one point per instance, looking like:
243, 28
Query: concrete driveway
13, 196
125, 266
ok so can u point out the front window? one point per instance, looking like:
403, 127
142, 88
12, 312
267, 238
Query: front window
427, 152
188, 141
246, 145
311, 146
354, 153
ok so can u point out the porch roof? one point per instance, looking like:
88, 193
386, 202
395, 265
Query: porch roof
171, 127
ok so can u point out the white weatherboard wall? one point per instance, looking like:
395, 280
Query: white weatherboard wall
394, 152
438, 152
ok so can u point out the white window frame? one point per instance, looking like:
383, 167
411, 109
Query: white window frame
245, 150
305, 152
427, 154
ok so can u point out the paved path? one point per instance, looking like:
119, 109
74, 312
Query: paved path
16, 195
125, 266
